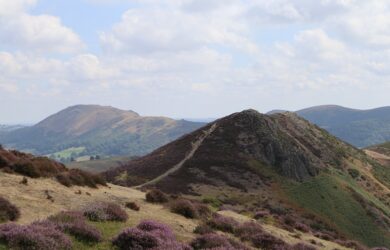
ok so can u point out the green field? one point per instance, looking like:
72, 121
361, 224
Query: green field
67, 153
97, 166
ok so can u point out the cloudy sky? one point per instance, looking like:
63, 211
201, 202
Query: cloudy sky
191, 58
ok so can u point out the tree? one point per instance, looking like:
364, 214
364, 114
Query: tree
97, 157
91, 158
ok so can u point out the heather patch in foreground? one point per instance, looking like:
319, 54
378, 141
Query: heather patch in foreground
8, 211
148, 235
74, 223
105, 211
42, 236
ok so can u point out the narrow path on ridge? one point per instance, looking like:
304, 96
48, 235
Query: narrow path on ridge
189, 155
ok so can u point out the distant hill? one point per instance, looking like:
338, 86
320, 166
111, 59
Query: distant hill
96, 130
360, 128
8, 128
279, 164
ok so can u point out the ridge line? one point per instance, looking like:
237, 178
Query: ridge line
195, 145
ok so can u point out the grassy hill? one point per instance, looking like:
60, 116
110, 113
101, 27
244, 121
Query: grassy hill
279, 164
33, 205
96, 130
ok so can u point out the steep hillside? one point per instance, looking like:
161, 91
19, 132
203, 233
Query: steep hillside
96, 130
278, 164
360, 128
33, 205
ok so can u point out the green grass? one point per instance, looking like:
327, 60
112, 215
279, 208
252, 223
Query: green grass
328, 197
97, 166
68, 152
3, 247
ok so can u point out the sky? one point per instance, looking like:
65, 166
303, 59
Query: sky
191, 58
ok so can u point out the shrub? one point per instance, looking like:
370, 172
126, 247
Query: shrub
301, 246
67, 217
202, 209
42, 236
26, 168
77, 177
134, 238
74, 223
261, 214
133, 206
3, 162
148, 235
8, 211
156, 196
354, 173
302, 227
222, 223
185, 208
150, 226
24, 181
350, 244
203, 229
83, 231
324, 236
267, 241
105, 211
216, 241
247, 230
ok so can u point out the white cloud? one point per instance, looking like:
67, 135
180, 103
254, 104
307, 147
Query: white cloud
34, 33
366, 24
170, 29
219, 54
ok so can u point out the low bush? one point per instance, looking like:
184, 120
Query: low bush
203, 229
302, 227
216, 241
301, 246
354, 173
261, 214
133, 206
105, 211
148, 235
248, 229
267, 241
324, 236
77, 177
3, 162
8, 211
222, 223
42, 236
185, 208
24, 181
351, 244
26, 168
74, 223
156, 196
